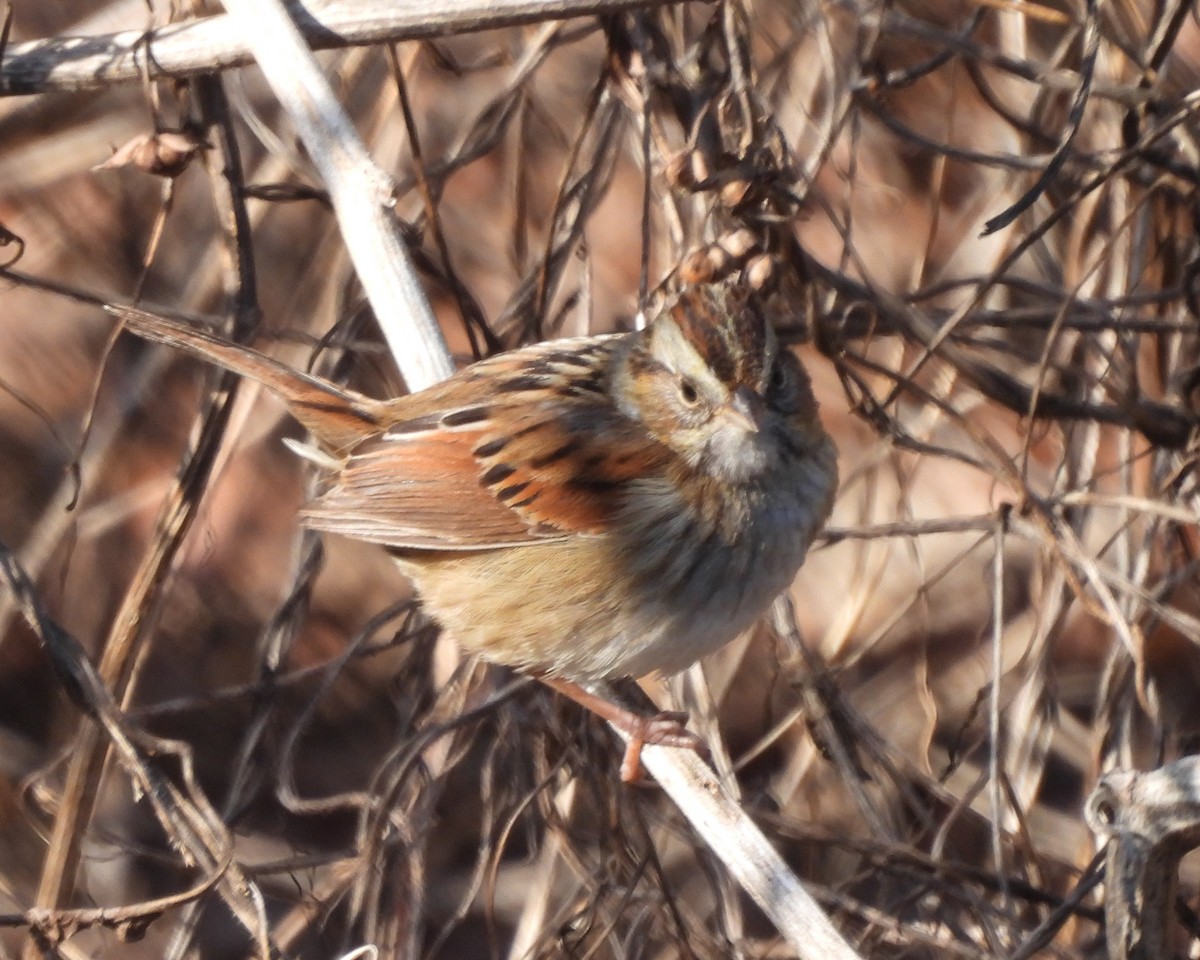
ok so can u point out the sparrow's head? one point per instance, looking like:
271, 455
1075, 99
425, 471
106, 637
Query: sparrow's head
709, 379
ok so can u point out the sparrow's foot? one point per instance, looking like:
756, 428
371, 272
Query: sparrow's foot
663, 729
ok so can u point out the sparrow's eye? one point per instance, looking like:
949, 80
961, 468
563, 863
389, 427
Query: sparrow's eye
688, 391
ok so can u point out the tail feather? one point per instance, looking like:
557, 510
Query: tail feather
337, 417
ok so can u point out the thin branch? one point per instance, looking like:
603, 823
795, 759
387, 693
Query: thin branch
739, 843
221, 42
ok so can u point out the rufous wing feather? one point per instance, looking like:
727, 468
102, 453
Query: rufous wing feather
567, 469
533, 451
420, 492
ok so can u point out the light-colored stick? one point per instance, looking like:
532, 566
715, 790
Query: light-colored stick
214, 43
746, 853
361, 193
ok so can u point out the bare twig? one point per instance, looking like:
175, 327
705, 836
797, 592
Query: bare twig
747, 854
219, 42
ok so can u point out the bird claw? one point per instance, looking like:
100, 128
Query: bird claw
664, 729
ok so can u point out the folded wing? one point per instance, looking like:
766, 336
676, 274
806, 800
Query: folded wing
520, 449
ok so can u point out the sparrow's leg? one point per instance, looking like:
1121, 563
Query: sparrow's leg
663, 729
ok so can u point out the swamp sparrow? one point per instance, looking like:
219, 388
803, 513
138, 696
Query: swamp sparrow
580, 509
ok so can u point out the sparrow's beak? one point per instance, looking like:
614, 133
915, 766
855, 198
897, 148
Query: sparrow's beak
745, 409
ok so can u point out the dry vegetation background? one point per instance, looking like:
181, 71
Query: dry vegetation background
1006, 603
